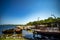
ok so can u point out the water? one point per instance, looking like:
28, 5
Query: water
29, 35
25, 33
6, 27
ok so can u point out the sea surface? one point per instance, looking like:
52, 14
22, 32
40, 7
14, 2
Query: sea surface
6, 27
25, 33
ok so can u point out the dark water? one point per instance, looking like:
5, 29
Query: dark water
25, 33
6, 27
29, 35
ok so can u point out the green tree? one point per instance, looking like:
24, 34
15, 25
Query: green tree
48, 20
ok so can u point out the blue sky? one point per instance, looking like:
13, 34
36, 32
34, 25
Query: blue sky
24, 11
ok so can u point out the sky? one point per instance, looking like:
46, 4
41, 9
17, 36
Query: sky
24, 11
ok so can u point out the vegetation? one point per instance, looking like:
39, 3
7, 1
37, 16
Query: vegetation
49, 20
12, 38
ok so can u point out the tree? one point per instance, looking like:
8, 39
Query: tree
48, 20
30, 23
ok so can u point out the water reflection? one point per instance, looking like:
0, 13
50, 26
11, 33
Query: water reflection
29, 35
6, 27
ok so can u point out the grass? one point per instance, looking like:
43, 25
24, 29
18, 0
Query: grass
9, 38
13, 39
